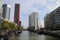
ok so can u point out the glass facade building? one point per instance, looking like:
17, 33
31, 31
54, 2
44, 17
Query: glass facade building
6, 12
53, 21
0, 7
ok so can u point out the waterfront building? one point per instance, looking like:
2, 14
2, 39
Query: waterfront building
46, 21
0, 8
53, 20
17, 14
6, 11
33, 21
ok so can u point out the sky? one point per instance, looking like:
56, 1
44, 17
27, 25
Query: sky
43, 7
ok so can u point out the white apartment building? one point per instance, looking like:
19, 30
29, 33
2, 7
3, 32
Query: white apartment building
33, 20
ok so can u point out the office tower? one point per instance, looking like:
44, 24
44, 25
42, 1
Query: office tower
46, 21
6, 11
33, 21
17, 14
0, 8
52, 20
29, 20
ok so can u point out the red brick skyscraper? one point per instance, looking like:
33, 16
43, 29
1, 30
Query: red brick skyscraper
17, 14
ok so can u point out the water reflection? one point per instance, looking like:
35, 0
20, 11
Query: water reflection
51, 38
24, 35
14, 38
32, 36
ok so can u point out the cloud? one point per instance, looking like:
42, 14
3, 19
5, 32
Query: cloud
51, 6
57, 2
42, 24
27, 6
24, 23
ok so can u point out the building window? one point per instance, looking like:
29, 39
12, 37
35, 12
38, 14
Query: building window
58, 11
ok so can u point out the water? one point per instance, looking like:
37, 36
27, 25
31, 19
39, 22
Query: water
25, 35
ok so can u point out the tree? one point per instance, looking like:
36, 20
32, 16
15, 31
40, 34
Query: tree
5, 25
10, 26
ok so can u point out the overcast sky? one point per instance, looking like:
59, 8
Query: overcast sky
27, 6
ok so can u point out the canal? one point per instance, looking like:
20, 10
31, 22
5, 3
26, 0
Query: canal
25, 35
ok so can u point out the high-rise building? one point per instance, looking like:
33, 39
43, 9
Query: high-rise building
29, 20
0, 8
33, 21
17, 14
19, 23
46, 19
6, 11
52, 20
